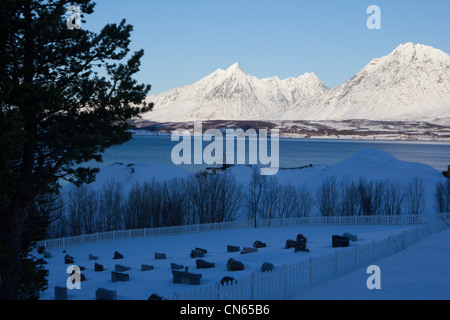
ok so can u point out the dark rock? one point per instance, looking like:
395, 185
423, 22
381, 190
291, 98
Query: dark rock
233, 265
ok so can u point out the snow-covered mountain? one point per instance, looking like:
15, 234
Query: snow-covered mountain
411, 83
233, 95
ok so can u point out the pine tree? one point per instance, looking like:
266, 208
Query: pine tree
65, 97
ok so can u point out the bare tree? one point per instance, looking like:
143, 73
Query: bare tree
254, 195
327, 197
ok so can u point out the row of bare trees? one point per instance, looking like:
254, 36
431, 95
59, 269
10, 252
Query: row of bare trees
210, 198
347, 197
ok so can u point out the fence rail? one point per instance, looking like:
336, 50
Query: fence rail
240, 224
292, 280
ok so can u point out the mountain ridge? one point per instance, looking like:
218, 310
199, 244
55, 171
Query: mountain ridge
410, 83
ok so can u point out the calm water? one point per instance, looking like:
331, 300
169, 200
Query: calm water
293, 152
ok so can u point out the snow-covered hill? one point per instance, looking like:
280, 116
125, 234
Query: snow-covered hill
411, 83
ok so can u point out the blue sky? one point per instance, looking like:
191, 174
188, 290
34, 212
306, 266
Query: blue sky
185, 40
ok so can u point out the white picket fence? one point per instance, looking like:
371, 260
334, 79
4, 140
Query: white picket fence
291, 280
240, 224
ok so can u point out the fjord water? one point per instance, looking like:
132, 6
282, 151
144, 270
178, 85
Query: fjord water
294, 153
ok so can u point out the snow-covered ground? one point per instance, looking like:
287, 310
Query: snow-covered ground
420, 272
178, 248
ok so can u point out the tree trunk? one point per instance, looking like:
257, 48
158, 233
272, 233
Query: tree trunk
10, 245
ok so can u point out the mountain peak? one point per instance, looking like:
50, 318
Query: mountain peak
235, 68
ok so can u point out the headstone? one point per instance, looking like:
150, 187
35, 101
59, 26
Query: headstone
41, 261
186, 277
197, 254
233, 265
233, 249
176, 266
145, 267
259, 244
228, 281
202, 264
302, 238
155, 296
203, 250
300, 246
104, 294
91, 257
351, 237
339, 241
290, 244
47, 255
117, 255
160, 256
118, 276
120, 268
68, 259
82, 268
98, 267
82, 277
267, 266
41, 250
246, 250
60, 293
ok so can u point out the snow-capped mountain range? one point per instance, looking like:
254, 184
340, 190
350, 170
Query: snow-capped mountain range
411, 83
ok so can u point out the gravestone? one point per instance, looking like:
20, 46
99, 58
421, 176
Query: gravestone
41, 250
98, 267
160, 256
120, 268
300, 246
82, 277
339, 241
233, 249
117, 256
145, 267
60, 293
41, 261
176, 266
202, 250
259, 244
246, 250
202, 264
290, 244
302, 238
186, 277
47, 255
91, 257
104, 294
267, 266
233, 265
351, 237
228, 281
197, 254
68, 259
155, 296
118, 276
